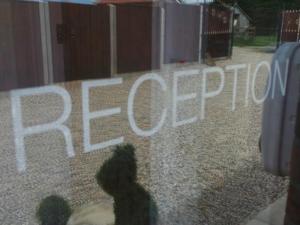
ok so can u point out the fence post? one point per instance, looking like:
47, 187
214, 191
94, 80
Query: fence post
200, 60
46, 42
231, 32
113, 40
162, 37
298, 33
279, 28
282, 26
204, 37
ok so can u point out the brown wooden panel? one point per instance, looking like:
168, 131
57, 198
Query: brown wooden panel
28, 50
87, 41
181, 33
137, 37
21, 66
8, 77
100, 41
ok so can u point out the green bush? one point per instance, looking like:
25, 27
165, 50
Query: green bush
133, 205
53, 210
258, 41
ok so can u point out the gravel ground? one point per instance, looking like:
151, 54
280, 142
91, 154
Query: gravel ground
212, 171
207, 172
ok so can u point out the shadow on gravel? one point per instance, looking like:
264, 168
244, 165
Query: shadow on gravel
243, 194
266, 49
133, 205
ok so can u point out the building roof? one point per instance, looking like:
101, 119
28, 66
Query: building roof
237, 7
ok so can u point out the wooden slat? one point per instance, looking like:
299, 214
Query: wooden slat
22, 43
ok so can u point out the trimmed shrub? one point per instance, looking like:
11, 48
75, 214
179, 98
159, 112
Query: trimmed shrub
133, 205
53, 210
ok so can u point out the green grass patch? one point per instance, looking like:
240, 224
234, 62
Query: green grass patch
258, 41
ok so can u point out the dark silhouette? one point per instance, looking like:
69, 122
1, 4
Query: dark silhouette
133, 205
53, 210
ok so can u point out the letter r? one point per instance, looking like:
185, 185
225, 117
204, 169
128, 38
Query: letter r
20, 131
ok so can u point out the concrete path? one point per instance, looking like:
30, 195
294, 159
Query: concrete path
273, 215
99, 214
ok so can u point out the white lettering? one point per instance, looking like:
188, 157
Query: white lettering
88, 116
180, 98
138, 82
21, 132
211, 94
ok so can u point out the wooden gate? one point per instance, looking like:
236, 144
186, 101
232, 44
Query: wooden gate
86, 44
290, 27
218, 31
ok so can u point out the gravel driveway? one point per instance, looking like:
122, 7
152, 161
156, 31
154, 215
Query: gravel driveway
212, 171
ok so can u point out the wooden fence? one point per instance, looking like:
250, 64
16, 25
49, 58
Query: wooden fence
290, 26
96, 41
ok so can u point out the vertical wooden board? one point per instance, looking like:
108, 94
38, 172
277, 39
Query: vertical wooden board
156, 37
100, 41
134, 38
8, 77
87, 43
21, 58
76, 44
181, 33
27, 39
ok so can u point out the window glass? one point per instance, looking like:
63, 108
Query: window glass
147, 112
